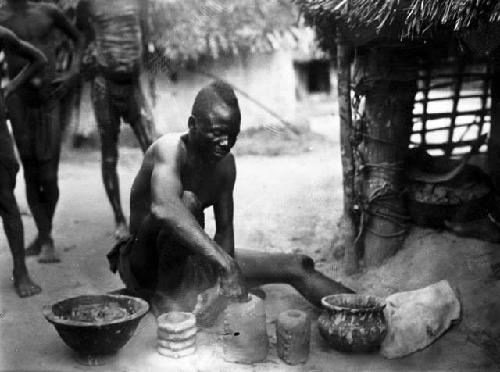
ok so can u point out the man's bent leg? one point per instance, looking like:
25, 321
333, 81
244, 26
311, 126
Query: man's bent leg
13, 227
294, 269
108, 123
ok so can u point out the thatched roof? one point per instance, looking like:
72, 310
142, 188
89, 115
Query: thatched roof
403, 19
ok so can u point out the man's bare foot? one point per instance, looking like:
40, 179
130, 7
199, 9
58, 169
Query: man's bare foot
48, 253
24, 286
121, 231
34, 248
483, 229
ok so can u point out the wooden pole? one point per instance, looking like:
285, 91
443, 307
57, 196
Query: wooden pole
456, 99
388, 115
425, 102
484, 99
345, 114
494, 140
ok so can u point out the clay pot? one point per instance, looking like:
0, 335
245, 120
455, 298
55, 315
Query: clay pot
353, 323
101, 337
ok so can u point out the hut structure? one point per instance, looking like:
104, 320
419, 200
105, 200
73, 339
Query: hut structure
252, 44
410, 72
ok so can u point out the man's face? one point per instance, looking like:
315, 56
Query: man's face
215, 133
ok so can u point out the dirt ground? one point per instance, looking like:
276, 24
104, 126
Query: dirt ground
287, 203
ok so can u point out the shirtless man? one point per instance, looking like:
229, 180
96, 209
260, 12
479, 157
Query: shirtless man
33, 111
118, 27
169, 258
9, 210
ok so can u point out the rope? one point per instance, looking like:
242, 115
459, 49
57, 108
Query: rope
383, 193
375, 204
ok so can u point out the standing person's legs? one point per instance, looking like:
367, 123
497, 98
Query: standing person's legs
140, 116
48, 148
24, 119
13, 227
108, 122
36, 205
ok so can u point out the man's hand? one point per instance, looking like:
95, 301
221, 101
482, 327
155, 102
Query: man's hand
61, 85
233, 284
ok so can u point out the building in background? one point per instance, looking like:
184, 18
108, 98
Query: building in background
256, 45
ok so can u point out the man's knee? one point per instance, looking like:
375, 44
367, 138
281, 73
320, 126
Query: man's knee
8, 204
109, 161
302, 264
48, 176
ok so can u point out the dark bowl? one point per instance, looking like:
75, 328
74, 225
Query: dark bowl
352, 322
105, 325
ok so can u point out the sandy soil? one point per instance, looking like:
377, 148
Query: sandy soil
282, 204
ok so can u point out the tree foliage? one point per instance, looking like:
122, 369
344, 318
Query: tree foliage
188, 29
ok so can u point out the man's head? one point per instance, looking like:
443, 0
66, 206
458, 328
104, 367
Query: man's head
215, 120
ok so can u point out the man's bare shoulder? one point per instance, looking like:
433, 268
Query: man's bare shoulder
168, 148
6, 34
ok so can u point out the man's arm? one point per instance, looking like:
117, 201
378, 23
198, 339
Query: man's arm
224, 211
63, 23
23, 49
167, 208
83, 24
144, 20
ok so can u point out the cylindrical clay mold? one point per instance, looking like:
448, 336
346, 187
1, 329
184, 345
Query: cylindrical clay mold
245, 333
176, 334
293, 333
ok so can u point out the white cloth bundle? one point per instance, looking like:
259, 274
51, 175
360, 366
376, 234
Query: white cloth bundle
417, 318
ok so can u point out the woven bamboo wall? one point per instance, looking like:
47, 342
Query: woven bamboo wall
452, 106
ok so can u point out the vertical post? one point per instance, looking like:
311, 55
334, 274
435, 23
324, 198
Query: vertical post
345, 114
456, 99
484, 99
425, 101
494, 140
388, 112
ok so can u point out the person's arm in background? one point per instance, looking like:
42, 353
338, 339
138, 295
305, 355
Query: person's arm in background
37, 60
144, 21
63, 23
83, 23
